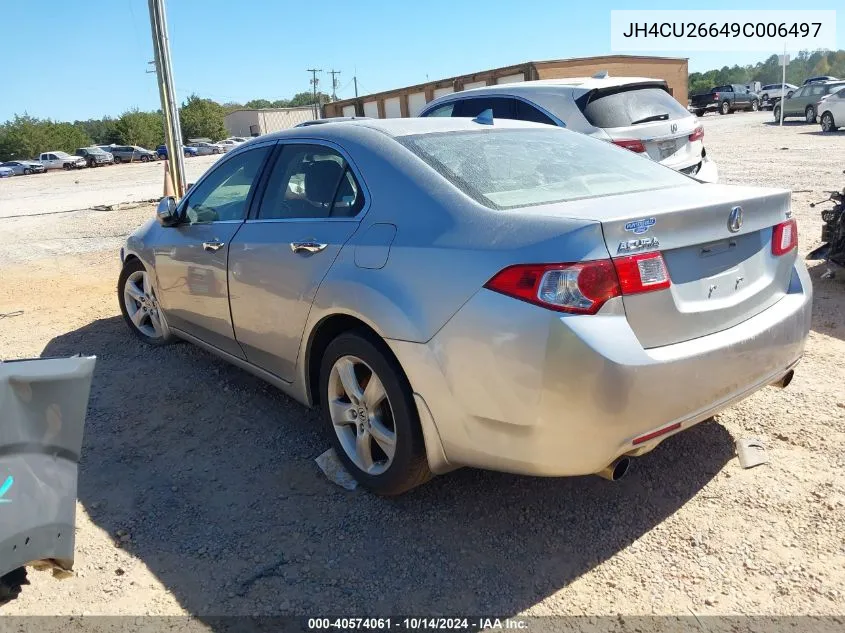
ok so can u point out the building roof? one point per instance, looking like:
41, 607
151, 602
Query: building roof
292, 109
597, 59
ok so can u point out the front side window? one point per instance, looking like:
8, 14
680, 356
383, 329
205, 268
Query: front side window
800, 92
310, 181
223, 194
511, 168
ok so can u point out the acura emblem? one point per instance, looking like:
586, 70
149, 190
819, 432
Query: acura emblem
735, 220
673, 128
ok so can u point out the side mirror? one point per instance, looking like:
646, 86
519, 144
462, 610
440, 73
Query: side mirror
166, 212
190, 184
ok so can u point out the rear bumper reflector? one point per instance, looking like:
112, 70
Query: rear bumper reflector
658, 433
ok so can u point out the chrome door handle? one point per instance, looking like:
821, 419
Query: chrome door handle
216, 245
307, 247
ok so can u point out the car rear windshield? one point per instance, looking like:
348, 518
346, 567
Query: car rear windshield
629, 105
511, 168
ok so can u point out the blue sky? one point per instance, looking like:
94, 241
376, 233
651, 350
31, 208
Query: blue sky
82, 59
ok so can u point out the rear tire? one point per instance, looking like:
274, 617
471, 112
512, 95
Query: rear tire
389, 419
810, 114
776, 112
725, 108
828, 124
187, 154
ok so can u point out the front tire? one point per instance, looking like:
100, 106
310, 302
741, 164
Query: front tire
216, 151
755, 105
828, 124
725, 108
27, 172
117, 159
371, 415
139, 305
810, 114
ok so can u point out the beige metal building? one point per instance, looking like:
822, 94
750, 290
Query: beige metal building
403, 102
257, 122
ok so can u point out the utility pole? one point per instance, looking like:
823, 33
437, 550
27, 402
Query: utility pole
314, 82
334, 74
169, 105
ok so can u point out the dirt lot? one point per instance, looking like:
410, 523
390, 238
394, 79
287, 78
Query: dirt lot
198, 492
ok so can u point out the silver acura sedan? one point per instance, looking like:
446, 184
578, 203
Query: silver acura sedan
456, 292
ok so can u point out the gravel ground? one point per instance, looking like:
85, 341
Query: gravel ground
198, 492
59, 190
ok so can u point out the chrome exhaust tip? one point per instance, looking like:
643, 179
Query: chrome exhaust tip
617, 469
783, 383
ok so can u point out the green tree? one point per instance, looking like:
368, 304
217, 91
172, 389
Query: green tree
140, 128
202, 118
307, 98
102, 131
258, 104
27, 137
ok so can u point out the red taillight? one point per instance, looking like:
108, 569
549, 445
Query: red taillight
784, 237
716, 96
632, 144
642, 273
577, 288
584, 287
697, 134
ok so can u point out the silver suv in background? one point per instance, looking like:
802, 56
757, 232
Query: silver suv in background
636, 113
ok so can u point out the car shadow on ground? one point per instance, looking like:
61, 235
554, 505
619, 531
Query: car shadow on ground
819, 132
211, 473
788, 123
828, 301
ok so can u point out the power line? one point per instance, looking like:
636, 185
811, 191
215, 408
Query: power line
314, 82
334, 74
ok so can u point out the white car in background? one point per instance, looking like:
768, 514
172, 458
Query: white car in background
61, 160
228, 143
636, 113
204, 149
831, 111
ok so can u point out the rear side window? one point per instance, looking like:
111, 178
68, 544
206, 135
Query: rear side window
831, 88
311, 181
502, 107
630, 106
512, 168
527, 112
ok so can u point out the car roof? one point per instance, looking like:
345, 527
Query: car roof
583, 83
399, 127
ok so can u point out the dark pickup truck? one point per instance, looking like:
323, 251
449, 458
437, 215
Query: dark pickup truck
725, 99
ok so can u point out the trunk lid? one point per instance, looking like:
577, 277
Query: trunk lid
665, 142
719, 277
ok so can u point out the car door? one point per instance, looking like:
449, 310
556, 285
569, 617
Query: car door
190, 264
310, 207
799, 100
836, 104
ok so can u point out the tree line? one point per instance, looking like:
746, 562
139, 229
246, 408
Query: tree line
26, 137
805, 64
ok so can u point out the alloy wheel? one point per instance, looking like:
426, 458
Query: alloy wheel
142, 305
361, 415
827, 122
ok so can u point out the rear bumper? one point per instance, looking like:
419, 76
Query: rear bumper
514, 387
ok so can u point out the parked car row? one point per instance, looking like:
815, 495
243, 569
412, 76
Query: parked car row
812, 100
